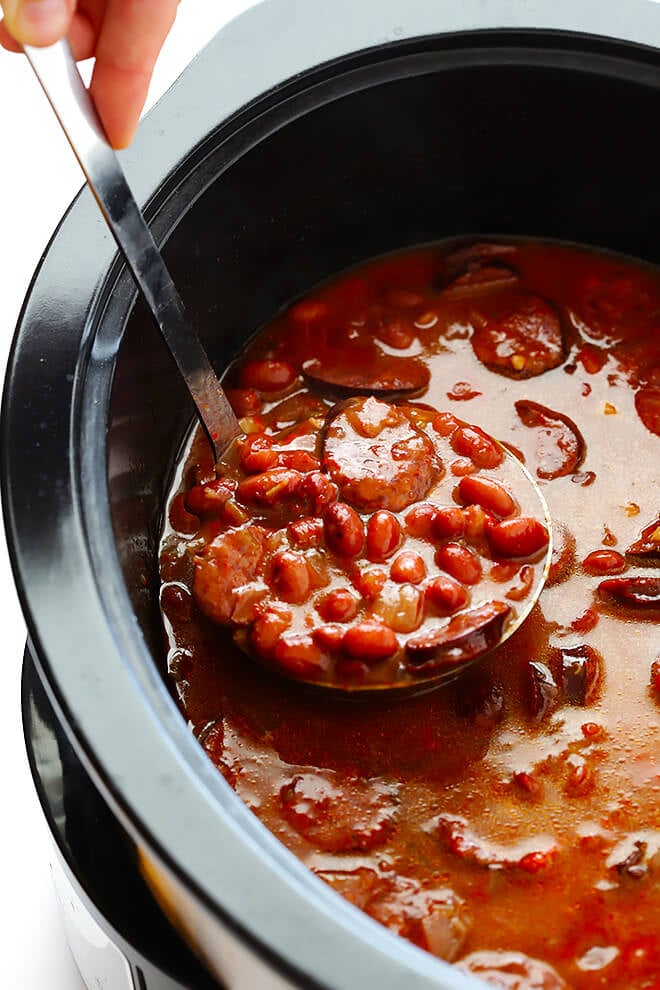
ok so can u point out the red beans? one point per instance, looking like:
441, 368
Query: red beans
267, 629
491, 495
383, 535
419, 520
370, 642
290, 577
344, 531
408, 567
522, 537
604, 562
298, 655
445, 594
472, 442
271, 487
209, 499
306, 532
267, 375
460, 562
256, 454
448, 522
308, 312
338, 605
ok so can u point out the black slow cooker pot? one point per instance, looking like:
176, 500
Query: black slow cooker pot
309, 135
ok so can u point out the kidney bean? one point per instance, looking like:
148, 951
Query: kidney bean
181, 520
209, 499
344, 530
329, 637
472, 442
370, 582
560, 446
489, 494
462, 466
604, 562
267, 629
467, 635
270, 487
244, 401
290, 577
544, 690
460, 562
338, 605
308, 312
563, 554
267, 375
520, 591
176, 602
445, 424
370, 642
383, 535
445, 594
396, 332
298, 655
409, 567
502, 572
647, 546
419, 520
522, 537
403, 298
477, 523
256, 454
319, 491
448, 522
306, 532
581, 673
634, 592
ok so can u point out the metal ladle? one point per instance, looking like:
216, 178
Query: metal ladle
58, 75
56, 70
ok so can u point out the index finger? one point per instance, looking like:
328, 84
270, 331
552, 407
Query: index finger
130, 38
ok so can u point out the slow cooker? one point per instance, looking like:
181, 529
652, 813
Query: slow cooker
306, 137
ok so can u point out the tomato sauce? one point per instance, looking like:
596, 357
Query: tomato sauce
509, 822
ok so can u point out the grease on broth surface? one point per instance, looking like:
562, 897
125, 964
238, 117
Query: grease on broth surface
509, 822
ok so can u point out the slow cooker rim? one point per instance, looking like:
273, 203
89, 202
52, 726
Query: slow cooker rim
80, 217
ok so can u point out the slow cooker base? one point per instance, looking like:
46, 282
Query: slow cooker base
118, 936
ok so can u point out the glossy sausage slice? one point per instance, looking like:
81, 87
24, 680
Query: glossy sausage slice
560, 446
518, 335
382, 375
225, 566
635, 592
467, 635
377, 457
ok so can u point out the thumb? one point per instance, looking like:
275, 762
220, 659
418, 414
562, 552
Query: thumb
37, 22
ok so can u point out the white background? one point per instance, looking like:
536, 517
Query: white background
38, 179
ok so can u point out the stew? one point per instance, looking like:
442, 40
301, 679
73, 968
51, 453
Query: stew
509, 822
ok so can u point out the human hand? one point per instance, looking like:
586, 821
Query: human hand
124, 36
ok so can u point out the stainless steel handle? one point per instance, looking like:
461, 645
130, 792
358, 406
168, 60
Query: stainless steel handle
58, 74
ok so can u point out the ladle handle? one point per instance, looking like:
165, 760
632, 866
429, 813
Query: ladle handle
58, 74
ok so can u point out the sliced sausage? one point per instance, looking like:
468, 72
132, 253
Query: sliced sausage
231, 561
383, 375
467, 635
560, 446
377, 457
518, 335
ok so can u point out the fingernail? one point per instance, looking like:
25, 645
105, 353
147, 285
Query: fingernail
37, 22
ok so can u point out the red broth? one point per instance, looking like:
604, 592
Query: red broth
510, 822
